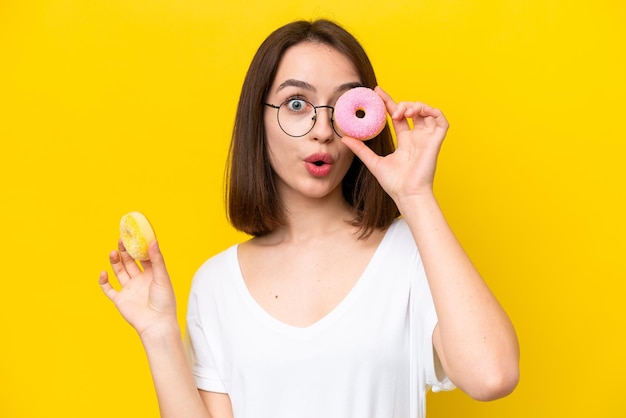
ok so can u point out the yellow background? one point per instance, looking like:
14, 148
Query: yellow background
119, 105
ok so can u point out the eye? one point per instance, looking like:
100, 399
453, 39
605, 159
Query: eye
297, 105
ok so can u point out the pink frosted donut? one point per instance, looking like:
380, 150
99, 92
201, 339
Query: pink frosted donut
360, 113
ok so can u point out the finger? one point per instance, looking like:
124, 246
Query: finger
394, 109
105, 285
430, 122
389, 102
432, 116
119, 269
424, 116
362, 151
410, 111
421, 114
129, 262
440, 118
418, 112
157, 264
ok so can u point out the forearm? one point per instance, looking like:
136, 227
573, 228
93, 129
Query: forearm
174, 384
475, 339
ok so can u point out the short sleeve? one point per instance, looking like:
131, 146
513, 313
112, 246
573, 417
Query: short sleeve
435, 377
201, 355
424, 312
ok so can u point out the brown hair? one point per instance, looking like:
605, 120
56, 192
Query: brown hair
253, 203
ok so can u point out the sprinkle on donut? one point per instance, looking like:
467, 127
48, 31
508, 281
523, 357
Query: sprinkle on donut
360, 113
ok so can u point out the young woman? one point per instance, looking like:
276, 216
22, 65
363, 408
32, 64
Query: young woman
337, 307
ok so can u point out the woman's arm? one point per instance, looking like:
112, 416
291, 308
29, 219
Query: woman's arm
174, 384
474, 338
146, 300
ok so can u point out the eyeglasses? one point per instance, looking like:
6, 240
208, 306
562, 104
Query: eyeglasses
297, 117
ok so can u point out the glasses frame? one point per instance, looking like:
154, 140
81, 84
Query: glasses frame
332, 117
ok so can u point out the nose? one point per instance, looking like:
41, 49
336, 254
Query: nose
323, 129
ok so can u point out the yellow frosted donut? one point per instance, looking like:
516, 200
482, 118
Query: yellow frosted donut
136, 234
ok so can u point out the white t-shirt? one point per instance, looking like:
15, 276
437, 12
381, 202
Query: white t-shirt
371, 357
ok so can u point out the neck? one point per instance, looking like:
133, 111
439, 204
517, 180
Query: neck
310, 218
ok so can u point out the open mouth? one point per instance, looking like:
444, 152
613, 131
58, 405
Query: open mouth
319, 159
319, 164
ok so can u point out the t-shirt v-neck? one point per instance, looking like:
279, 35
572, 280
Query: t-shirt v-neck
326, 320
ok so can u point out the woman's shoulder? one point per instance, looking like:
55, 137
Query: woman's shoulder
399, 241
399, 230
220, 265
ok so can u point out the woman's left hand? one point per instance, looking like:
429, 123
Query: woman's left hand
410, 170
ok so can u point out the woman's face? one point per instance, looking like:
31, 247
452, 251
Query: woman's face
312, 165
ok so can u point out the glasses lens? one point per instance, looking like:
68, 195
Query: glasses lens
296, 117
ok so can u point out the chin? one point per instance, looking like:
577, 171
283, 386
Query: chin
319, 189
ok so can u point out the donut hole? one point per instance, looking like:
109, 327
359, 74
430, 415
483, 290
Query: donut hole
360, 113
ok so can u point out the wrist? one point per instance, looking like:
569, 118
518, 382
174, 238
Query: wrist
408, 204
163, 331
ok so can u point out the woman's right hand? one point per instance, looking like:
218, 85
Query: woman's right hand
146, 298
409, 171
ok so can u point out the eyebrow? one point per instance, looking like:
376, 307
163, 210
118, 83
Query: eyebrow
306, 86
